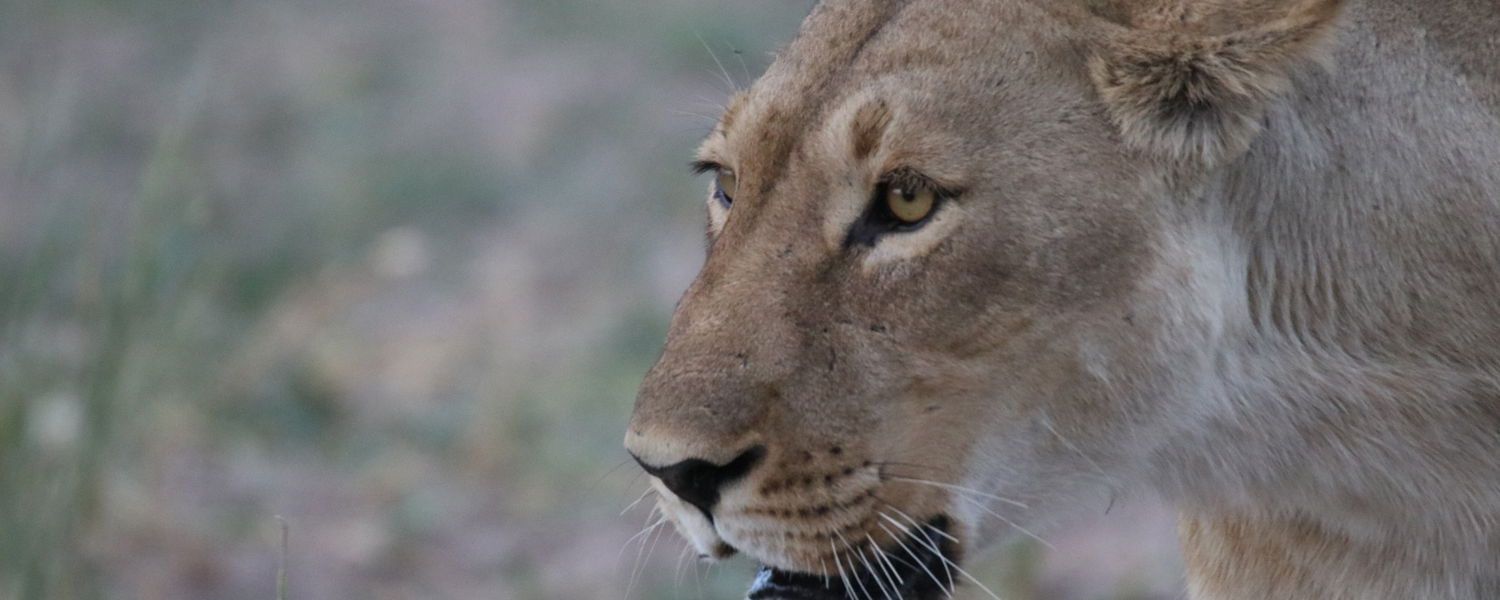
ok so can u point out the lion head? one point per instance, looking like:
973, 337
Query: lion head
952, 290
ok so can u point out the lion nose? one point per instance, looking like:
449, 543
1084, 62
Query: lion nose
697, 481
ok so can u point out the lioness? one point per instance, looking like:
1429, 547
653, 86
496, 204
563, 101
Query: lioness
978, 264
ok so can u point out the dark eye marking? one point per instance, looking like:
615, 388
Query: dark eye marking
902, 201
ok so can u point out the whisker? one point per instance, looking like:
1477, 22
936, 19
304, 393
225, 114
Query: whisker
722, 71
1047, 422
920, 527
981, 506
611, 471
1104, 478
886, 568
713, 105
848, 588
696, 115
934, 468
949, 563
961, 489
635, 572
930, 468
698, 576
635, 478
854, 569
890, 569
891, 575
645, 530
930, 545
823, 567
648, 492
743, 67
709, 572
687, 550
971, 578
660, 533
901, 543
873, 573
1009, 522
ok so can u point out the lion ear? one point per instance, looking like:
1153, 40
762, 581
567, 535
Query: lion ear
1177, 91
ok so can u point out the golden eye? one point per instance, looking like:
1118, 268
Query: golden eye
727, 185
910, 205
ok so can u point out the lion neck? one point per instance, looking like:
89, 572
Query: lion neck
1352, 415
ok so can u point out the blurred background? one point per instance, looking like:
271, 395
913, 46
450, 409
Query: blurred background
389, 270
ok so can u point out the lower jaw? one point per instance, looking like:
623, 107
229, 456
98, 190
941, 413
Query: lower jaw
915, 572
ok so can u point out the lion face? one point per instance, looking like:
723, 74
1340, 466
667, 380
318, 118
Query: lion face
945, 301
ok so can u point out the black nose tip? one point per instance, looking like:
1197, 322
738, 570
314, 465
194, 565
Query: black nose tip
697, 481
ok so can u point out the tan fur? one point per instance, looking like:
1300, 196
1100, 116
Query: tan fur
1198, 96
1245, 254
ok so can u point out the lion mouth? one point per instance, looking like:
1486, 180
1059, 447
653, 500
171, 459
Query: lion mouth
917, 569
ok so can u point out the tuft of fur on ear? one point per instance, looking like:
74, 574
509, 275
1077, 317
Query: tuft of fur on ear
1191, 96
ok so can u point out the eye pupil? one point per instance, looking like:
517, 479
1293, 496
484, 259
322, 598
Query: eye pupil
726, 185
902, 202
910, 205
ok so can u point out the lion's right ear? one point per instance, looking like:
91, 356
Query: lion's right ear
1180, 92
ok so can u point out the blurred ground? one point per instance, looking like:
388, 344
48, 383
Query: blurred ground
389, 269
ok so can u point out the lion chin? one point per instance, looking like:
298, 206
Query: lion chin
909, 574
